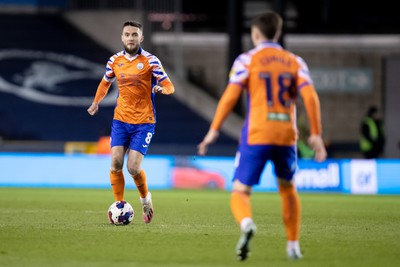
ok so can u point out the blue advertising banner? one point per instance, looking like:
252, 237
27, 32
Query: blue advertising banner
165, 172
314, 176
86, 171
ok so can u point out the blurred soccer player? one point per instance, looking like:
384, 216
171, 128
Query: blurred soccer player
140, 76
271, 77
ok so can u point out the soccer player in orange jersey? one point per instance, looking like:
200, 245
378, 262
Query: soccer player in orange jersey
140, 76
271, 78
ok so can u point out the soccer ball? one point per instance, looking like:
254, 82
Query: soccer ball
120, 213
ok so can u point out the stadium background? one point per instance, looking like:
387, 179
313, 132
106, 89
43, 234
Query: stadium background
52, 56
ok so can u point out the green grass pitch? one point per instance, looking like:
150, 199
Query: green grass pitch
69, 227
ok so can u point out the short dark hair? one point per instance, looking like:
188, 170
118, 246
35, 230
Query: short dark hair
133, 24
269, 23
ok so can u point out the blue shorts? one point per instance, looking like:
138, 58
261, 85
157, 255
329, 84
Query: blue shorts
135, 136
251, 160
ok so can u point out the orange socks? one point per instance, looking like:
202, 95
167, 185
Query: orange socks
141, 184
240, 206
291, 211
117, 184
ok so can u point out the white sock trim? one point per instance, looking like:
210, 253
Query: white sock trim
245, 222
293, 244
146, 199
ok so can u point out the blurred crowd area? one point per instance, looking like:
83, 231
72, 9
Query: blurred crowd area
49, 74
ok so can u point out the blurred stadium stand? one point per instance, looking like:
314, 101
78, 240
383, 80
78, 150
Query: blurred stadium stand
38, 46
195, 43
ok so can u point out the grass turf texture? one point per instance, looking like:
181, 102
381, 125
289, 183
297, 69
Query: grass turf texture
69, 227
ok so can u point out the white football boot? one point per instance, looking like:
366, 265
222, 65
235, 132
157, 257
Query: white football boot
243, 245
147, 206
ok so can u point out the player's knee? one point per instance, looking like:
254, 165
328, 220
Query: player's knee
285, 183
240, 187
116, 164
133, 170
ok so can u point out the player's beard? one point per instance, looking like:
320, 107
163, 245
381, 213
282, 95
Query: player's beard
133, 50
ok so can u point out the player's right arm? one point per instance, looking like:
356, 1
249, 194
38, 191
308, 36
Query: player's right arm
103, 87
312, 105
101, 92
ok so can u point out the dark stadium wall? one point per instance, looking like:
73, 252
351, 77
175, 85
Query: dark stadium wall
48, 78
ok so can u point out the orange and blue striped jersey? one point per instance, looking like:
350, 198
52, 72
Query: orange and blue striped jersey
136, 77
271, 77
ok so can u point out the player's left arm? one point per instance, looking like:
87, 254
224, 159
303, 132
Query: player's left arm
226, 105
164, 87
238, 79
224, 108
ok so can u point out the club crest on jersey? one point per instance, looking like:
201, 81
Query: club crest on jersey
139, 66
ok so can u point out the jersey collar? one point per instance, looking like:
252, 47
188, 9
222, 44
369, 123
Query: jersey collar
135, 56
270, 44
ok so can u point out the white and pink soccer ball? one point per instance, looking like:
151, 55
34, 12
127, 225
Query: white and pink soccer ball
120, 213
